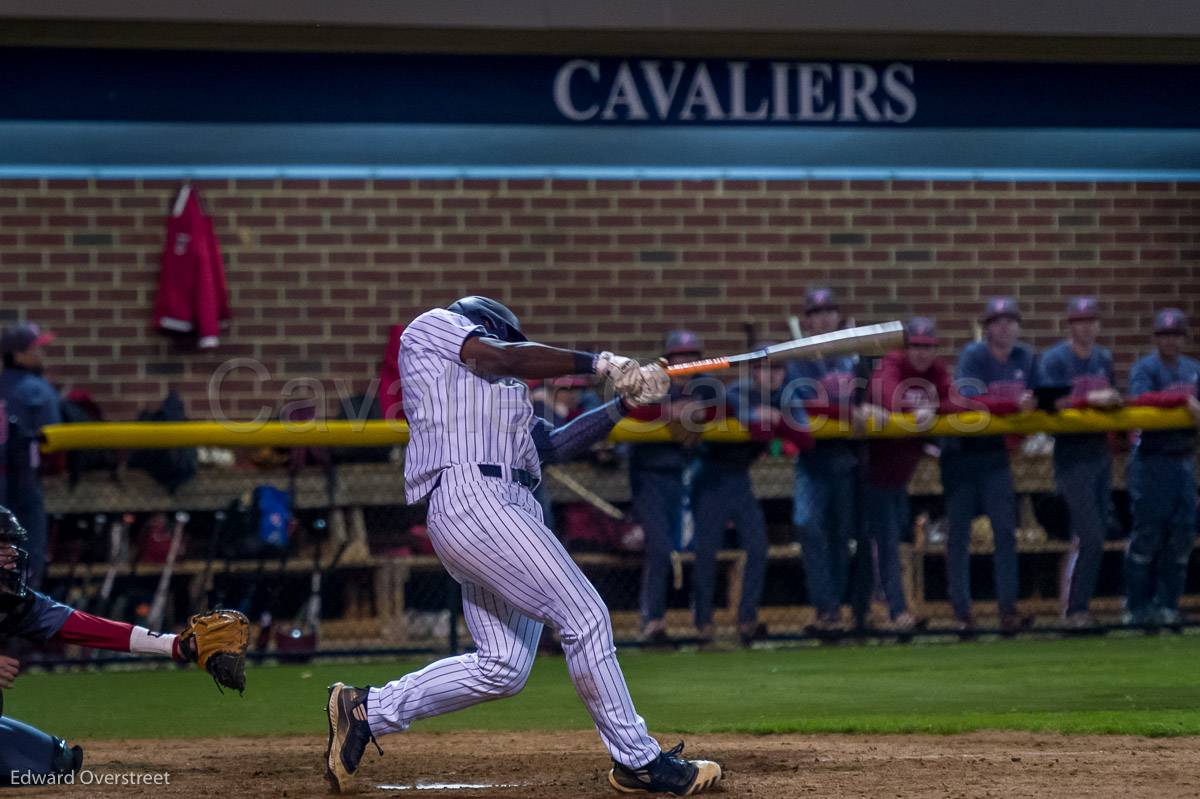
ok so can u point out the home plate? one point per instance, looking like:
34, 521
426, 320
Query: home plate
447, 786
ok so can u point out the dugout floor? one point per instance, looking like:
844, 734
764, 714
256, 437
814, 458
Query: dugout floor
536, 765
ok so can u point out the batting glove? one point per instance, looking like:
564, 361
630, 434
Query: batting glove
617, 370
652, 385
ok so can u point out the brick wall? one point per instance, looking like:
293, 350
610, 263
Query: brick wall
318, 269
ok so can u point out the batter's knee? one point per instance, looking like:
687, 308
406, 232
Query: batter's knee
591, 623
501, 678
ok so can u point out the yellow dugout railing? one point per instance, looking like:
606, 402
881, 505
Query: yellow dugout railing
167, 435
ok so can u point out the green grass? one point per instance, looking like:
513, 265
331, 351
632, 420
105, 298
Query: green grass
1135, 685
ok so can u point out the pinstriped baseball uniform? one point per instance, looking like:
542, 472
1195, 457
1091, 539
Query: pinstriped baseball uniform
488, 533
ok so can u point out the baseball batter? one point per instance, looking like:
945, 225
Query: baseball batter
475, 453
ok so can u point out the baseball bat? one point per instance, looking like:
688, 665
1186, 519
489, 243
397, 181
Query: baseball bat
217, 598
158, 607
90, 590
129, 554
583, 492
312, 620
266, 619
116, 543
203, 587
75, 586
312, 608
337, 533
867, 340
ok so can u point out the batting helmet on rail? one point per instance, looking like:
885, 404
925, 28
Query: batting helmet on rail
495, 318
14, 557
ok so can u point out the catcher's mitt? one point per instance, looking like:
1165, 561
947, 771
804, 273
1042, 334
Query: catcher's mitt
218, 640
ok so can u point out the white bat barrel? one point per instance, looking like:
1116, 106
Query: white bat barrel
864, 340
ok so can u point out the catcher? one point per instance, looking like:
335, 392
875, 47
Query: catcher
217, 641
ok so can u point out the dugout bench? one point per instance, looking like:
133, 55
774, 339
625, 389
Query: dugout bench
394, 612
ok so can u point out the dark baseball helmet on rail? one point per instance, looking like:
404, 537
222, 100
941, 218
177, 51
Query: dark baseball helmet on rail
14, 557
494, 316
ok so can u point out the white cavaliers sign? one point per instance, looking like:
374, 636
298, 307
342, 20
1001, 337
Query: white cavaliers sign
734, 91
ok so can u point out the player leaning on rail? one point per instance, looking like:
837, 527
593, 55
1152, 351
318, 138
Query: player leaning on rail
476, 454
217, 641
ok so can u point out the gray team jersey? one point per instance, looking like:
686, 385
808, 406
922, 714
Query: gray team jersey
456, 416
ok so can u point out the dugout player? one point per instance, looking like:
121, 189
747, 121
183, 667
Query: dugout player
826, 483
475, 453
1082, 462
722, 492
1162, 479
656, 477
29, 403
29, 615
995, 374
912, 380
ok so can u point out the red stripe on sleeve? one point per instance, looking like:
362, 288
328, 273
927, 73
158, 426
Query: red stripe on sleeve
84, 629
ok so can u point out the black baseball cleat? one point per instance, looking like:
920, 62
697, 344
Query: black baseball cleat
76, 758
66, 759
348, 735
667, 773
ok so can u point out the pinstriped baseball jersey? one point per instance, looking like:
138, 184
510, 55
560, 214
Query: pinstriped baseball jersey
455, 415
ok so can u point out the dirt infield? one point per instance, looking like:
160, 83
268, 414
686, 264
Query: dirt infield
536, 765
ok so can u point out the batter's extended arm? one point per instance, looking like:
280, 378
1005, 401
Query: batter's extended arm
565, 442
490, 357
525, 360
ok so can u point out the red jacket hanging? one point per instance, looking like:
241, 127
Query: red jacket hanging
192, 295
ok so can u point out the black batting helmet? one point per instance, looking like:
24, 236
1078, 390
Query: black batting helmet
495, 318
14, 557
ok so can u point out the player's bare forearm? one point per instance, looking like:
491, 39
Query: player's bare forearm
524, 360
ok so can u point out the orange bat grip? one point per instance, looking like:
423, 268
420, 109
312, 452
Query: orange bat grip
706, 365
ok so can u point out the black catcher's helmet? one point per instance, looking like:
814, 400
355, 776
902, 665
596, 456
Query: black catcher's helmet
495, 318
14, 558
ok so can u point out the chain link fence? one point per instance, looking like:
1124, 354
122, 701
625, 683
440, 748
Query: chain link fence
324, 555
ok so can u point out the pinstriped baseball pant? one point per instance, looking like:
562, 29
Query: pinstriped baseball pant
515, 576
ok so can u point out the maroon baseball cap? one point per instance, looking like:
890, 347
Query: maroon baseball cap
1170, 320
1001, 306
22, 337
1081, 308
920, 330
819, 299
680, 341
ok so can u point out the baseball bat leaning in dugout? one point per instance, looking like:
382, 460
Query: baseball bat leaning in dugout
158, 607
865, 340
118, 550
583, 492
